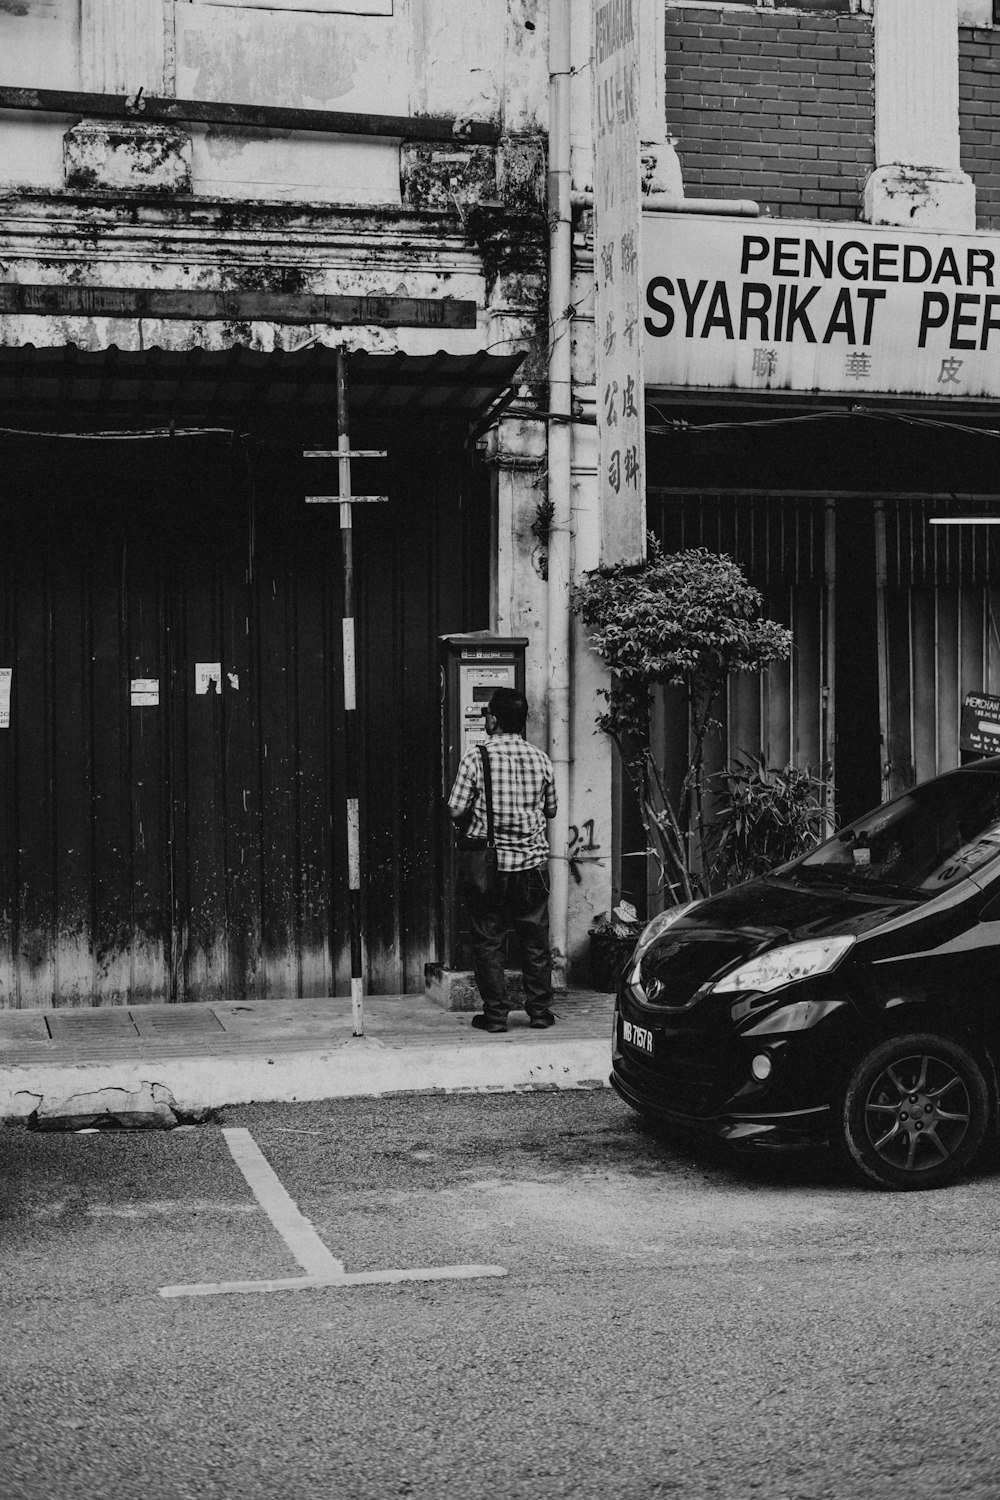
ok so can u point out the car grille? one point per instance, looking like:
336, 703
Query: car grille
689, 1072
674, 972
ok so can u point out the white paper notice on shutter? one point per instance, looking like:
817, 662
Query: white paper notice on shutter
145, 692
208, 677
6, 673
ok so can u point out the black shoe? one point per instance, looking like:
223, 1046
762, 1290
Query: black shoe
487, 1023
542, 1020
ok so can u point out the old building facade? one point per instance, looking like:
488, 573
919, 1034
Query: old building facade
211, 213
215, 214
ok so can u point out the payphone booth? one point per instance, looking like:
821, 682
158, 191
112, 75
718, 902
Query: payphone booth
472, 667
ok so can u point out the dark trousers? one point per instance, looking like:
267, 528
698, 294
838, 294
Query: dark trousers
521, 903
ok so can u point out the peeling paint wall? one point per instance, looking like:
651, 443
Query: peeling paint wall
292, 57
36, 31
414, 61
229, 245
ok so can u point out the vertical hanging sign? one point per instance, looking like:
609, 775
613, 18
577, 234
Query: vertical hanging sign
621, 432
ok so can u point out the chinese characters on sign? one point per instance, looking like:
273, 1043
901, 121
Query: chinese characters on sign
617, 247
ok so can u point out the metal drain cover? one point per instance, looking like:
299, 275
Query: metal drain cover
176, 1020
104, 1020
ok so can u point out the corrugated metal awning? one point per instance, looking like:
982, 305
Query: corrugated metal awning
65, 388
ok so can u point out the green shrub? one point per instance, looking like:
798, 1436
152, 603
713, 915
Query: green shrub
765, 816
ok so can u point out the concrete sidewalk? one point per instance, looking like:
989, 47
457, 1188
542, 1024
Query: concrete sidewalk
157, 1064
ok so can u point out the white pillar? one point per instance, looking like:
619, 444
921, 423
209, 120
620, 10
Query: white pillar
660, 162
918, 181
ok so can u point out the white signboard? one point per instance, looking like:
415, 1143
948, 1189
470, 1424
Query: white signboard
6, 674
786, 306
617, 250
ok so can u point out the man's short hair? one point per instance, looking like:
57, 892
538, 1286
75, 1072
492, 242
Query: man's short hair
510, 709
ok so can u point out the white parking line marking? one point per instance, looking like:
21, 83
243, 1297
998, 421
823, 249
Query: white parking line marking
323, 1269
351, 1278
282, 1210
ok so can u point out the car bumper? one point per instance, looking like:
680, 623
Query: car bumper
787, 1130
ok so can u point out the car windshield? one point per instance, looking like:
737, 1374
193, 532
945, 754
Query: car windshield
918, 845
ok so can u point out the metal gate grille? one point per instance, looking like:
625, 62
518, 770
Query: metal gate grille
939, 592
781, 543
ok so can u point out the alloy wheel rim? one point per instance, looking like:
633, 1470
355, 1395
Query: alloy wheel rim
917, 1112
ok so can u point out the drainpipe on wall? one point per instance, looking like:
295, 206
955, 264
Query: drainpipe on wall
559, 455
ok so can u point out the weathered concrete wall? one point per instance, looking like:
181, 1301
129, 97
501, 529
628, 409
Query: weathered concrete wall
36, 32
103, 243
413, 61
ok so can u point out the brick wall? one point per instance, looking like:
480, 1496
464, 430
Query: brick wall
773, 106
978, 112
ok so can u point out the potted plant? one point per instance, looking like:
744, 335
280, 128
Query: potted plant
612, 938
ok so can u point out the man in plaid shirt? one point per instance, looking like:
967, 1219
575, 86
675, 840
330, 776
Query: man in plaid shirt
524, 795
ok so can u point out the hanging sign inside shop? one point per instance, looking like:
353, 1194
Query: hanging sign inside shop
980, 728
617, 256
749, 304
6, 673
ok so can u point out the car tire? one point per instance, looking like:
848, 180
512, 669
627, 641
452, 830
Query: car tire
914, 1113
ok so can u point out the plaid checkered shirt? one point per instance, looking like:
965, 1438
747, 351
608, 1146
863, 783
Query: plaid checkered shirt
524, 795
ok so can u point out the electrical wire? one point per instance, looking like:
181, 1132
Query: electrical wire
144, 434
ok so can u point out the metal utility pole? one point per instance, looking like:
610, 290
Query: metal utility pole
344, 453
560, 458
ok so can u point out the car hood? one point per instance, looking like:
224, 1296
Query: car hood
727, 929
784, 911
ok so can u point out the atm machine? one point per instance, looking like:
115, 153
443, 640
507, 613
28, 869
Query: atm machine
472, 666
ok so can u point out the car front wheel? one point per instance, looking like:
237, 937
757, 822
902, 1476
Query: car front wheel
914, 1113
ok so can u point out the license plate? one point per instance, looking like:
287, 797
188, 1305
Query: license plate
639, 1037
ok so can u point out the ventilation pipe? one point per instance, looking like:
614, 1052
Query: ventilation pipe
559, 459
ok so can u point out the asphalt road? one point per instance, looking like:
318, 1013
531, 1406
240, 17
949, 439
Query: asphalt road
670, 1323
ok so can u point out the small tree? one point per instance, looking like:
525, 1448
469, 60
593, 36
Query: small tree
690, 619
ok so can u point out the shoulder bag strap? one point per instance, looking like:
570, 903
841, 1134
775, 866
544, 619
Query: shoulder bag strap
488, 788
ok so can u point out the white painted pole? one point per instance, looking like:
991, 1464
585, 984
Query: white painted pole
351, 749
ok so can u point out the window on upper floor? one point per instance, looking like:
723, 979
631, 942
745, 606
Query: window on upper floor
328, 7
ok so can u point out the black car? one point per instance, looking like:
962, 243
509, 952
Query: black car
850, 997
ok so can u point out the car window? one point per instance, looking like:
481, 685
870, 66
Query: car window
922, 843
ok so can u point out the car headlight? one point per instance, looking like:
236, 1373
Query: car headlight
785, 965
653, 929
